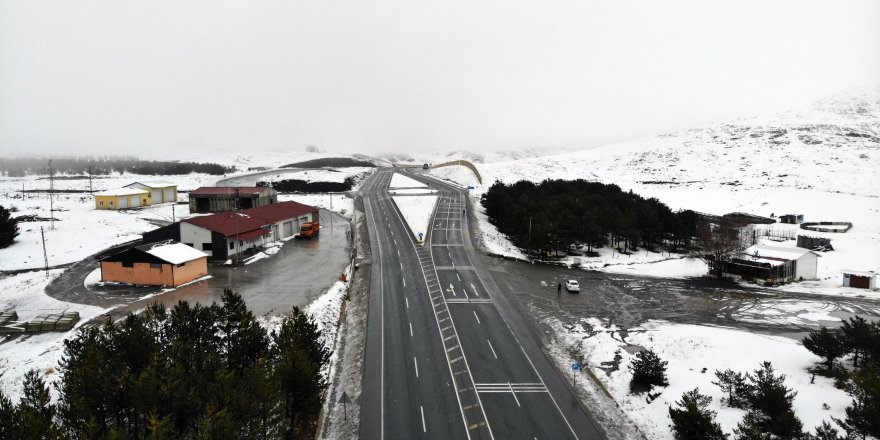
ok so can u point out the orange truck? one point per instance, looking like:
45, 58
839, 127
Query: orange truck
309, 230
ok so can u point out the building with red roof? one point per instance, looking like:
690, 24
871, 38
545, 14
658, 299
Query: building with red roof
227, 234
227, 198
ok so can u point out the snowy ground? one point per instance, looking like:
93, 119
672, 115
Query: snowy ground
41, 351
416, 212
400, 181
689, 350
337, 175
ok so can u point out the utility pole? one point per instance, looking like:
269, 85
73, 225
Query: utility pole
237, 243
51, 190
173, 217
45, 256
22, 191
90, 179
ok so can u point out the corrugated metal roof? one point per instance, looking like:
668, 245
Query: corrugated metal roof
277, 212
228, 223
776, 252
176, 253
228, 190
155, 184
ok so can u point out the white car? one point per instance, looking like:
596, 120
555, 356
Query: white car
572, 286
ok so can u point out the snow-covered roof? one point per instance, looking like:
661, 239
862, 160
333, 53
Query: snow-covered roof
176, 253
775, 252
154, 183
860, 273
121, 192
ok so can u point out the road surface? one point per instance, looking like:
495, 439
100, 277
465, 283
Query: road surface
447, 356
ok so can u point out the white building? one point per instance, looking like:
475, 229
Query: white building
800, 263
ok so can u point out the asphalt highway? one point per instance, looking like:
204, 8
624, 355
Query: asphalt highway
447, 356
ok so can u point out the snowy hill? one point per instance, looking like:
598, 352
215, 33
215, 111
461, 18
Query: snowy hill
821, 161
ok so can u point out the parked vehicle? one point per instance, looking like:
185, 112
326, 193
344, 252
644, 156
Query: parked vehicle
572, 286
309, 230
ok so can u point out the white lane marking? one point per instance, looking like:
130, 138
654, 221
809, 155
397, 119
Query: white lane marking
478, 318
493, 350
553, 399
514, 394
381, 331
398, 252
475, 290
407, 302
422, 409
404, 282
416, 363
456, 275
410, 330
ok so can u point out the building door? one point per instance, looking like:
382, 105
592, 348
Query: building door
288, 229
860, 282
168, 196
123, 202
135, 201
156, 194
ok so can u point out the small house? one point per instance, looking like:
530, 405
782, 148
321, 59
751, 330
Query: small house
160, 190
860, 279
773, 263
209, 199
156, 264
793, 219
122, 198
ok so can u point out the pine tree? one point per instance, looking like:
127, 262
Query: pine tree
825, 432
825, 343
770, 408
862, 415
8, 417
737, 387
35, 410
648, 370
857, 336
8, 228
693, 420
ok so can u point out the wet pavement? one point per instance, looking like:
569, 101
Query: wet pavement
295, 276
628, 301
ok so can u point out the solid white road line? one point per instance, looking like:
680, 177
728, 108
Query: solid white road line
493, 352
410, 330
416, 363
407, 301
478, 318
424, 428
514, 394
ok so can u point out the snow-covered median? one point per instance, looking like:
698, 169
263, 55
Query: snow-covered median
416, 212
400, 181
694, 353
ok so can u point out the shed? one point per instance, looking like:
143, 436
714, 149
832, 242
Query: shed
122, 198
156, 264
161, 191
774, 263
793, 219
860, 279
227, 198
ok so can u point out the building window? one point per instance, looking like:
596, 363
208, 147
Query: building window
207, 246
231, 245
111, 203
155, 266
128, 264
101, 203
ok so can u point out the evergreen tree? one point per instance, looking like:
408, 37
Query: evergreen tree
862, 419
648, 370
8, 417
692, 420
858, 337
737, 387
825, 432
8, 228
825, 343
35, 410
770, 408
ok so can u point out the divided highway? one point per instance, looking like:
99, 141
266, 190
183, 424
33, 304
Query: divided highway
443, 360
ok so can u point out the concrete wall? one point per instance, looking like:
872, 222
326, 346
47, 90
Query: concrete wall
806, 267
195, 236
190, 270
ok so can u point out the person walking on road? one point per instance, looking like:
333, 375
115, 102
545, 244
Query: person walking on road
559, 288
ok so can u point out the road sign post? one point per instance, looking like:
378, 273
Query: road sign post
344, 400
575, 367
420, 236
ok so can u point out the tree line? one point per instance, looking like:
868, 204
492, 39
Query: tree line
304, 186
560, 213
8, 227
22, 166
189, 372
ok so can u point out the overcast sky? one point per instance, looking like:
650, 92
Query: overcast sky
154, 77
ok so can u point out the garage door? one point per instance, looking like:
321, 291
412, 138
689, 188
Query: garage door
135, 201
123, 202
169, 196
156, 194
288, 229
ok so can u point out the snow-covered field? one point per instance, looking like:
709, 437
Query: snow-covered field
337, 175
819, 162
416, 212
693, 353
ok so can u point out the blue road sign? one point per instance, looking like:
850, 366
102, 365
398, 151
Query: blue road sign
420, 236
471, 187
575, 366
